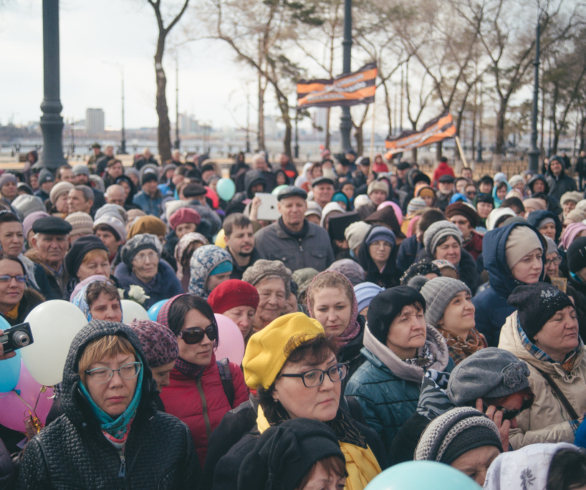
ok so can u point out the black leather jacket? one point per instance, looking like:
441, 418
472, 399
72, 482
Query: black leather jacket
72, 452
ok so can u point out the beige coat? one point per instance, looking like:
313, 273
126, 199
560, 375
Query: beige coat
546, 420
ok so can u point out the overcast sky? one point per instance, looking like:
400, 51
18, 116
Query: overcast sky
93, 32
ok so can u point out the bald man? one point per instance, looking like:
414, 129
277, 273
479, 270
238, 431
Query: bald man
115, 195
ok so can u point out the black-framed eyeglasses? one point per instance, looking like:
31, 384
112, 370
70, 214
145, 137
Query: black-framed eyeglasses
7, 278
556, 261
315, 377
471, 193
104, 374
195, 335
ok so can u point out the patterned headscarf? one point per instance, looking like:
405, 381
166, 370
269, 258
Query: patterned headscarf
138, 243
353, 328
182, 245
78, 297
203, 261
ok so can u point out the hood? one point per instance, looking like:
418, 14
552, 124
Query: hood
253, 177
412, 172
536, 217
74, 405
535, 178
510, 340
496, 200
381, 356
203, 261
550, 173
495, 261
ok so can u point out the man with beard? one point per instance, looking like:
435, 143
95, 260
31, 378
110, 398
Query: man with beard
239, 238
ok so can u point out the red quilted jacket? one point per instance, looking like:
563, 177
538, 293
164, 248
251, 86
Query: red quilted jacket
201, 403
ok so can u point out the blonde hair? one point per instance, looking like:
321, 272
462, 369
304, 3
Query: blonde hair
108, 346
330, 279
96, 253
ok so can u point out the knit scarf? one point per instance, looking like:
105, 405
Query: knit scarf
116, 430
188, 369
361, 463
424, 359
298, 235
569, 361
459, 348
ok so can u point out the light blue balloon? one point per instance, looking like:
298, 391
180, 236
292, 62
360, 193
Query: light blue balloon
9, 372
4, 325
226, 189
422, 475
154, 310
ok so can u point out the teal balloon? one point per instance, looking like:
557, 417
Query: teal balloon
226, 189
154, 310
9, 372
422, 475
4, 325
278, 189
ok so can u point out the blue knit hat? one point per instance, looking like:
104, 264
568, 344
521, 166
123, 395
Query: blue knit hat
381, 233
365, 292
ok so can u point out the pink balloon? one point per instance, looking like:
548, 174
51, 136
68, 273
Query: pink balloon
14, 411
231, 344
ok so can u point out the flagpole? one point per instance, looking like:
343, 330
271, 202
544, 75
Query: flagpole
372, 132
462, 156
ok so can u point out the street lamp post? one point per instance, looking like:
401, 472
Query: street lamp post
177, 141
122, 130
534, 151
346, 119
51, 120
296, 148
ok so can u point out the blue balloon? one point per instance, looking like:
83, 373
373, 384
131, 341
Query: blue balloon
226, 189
4, 325
9, 373
422, 475
154, 310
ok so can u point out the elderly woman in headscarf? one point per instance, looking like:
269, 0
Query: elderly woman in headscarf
184, 249
98, 299
143, 266
154, 226
210, 266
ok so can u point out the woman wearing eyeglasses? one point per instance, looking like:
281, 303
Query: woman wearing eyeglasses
197, 394
293, 366
378, 257
143, 266
16, 300
110, 435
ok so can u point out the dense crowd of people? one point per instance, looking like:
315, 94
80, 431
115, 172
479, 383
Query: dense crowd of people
387, 316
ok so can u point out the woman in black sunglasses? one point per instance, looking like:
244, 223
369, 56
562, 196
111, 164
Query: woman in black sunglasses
198, 394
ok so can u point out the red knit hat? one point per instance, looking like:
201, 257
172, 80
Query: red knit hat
184, 215
232, 293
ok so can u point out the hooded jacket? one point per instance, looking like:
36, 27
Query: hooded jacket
387, 388
72, 452
546, 420
537, 217
389, 276
561, 184
491, 304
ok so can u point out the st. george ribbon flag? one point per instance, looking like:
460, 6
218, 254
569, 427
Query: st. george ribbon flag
438, 129
345, 90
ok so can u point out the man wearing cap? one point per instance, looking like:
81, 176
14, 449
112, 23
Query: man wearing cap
342, 170
466, 219
50, 244
292, 239
323, 190
46, 181
402, 169
8, 187
146, 158
96, 155
80, 198
149, 199
81, 175
196, 193
445, 191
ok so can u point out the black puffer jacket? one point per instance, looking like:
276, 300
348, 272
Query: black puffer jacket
73, 453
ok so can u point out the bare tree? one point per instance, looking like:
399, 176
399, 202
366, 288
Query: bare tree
164, 132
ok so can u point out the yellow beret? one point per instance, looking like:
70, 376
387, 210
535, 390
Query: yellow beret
265, 353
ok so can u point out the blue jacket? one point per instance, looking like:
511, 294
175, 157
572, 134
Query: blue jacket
491, 304
149, 204
387, 401
165, 285
408, 251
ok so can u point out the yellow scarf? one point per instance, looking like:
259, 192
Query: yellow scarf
361, 464
13, 313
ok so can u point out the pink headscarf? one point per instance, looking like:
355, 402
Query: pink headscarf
396, 208
412, 225
353, 329
571, 233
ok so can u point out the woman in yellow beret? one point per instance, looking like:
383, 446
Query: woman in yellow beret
293, 366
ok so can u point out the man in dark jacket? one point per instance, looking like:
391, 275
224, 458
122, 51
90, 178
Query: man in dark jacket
239, 237
581, 169
292, 239
73, 452
46, 182
259, 163
146, 158
445, 192
559, 182
288, 167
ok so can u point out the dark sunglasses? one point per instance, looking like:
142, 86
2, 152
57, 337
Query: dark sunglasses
511, 414
195, 335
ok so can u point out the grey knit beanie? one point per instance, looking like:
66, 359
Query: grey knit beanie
26, 204
438, 293
456, 432
488, 373
437, 231
265, 268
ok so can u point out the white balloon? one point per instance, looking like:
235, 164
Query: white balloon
132, 311
54, 324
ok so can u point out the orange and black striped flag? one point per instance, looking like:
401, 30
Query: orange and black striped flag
346, 90
438, 129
